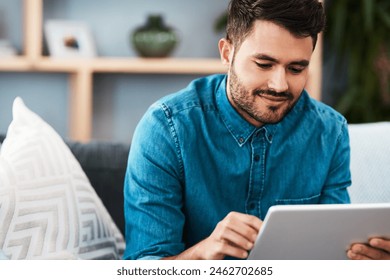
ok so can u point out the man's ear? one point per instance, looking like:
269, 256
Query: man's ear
225, 51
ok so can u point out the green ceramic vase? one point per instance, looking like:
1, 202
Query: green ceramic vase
154, 39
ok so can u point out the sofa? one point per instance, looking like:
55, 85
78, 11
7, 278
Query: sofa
104, 165
370, 162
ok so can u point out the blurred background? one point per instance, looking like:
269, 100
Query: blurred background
355, 73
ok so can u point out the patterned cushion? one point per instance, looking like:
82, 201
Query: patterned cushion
48, 209
3, 256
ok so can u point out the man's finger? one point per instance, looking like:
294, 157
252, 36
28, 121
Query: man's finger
354, 256
369, 252
380, 244
236, 239
245, 225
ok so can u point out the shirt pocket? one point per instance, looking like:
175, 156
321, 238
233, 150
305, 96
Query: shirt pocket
304, 200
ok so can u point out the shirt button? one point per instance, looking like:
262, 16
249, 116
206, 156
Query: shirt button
241, 140
251, 206
257, 158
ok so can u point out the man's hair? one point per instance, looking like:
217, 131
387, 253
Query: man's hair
302, 18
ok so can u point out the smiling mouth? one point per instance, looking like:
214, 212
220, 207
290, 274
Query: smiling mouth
273, 96
273, 99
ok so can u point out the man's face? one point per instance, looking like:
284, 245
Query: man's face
267, 73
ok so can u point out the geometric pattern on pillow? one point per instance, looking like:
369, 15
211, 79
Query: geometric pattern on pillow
48, 208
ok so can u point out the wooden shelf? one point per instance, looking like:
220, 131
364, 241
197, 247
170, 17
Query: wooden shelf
14, 64
115, 65
133, 65
160, 66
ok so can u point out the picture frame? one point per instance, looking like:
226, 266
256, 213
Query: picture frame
67, 39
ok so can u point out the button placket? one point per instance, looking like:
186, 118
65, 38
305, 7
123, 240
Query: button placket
258, 147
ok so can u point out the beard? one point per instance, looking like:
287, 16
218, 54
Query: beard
249, 105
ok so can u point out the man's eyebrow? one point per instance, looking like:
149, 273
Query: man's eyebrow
265, 57
302, 62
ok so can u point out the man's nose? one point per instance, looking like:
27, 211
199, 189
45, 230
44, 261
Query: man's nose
278, 81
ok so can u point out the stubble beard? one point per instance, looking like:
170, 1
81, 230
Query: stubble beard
245, 102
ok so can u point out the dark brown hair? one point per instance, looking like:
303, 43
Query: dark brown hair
302, 18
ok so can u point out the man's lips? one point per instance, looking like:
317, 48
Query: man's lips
274, 98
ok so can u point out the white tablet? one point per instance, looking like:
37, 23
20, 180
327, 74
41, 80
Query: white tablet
318, 232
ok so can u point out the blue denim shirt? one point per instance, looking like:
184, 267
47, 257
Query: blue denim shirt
194, 159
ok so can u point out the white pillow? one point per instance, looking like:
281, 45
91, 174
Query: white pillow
3, 256
48, 209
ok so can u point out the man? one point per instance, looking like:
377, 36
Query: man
207, 162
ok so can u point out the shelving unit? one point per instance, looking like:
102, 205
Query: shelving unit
81, 71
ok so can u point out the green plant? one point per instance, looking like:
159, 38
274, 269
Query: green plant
359, 32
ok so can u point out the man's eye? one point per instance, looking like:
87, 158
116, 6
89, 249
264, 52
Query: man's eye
264, 65
295, 70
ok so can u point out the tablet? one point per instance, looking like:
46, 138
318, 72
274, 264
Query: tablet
318, 232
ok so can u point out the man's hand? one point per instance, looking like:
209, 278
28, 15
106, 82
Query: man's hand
376, 249
233, 236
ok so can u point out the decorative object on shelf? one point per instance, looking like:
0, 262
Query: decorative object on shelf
154, 39
221, 22
69, 39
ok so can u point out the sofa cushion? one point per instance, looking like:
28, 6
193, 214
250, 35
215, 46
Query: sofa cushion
48, 208
370, 162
